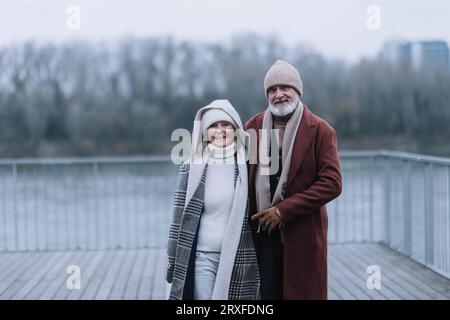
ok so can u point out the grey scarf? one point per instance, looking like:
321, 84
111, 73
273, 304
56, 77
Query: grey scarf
262, 179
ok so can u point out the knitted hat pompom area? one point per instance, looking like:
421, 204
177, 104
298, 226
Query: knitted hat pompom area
283, 73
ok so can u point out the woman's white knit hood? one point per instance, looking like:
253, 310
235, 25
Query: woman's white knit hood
199, 138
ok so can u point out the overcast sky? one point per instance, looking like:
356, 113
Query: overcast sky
337, 29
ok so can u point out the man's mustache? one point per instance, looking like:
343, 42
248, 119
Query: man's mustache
281, 100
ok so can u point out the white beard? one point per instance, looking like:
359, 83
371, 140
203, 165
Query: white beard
286, 110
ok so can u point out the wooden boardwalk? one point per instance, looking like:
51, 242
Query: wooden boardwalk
139, 274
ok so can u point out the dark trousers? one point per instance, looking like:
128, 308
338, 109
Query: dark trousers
271, 265
271, 252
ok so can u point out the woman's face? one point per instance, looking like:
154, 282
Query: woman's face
221, 134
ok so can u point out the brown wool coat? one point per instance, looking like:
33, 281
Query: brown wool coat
314, 179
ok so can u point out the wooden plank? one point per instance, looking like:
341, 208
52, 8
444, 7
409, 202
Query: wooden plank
332, 295
386, 286
95, 258
358, 270
433, 284
10, 263
108, 281
140, 274
60, 279
121, 280
345, 280
58, 268
334, 287
51, 258
343, 292
352, 278
132, 288
159, 285
82, 261
439, 282
146, 286
97, 277
6, 259
13, 271
22, 274
408, 280
387, 277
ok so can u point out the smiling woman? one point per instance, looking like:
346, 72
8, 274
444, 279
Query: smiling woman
221, 134
219, 127
211, 253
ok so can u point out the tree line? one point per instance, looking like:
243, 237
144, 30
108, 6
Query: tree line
125, 98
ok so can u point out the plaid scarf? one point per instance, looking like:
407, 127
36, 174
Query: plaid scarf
239, 282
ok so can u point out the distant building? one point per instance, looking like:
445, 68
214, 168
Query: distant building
420, 54
396, 51
430, 54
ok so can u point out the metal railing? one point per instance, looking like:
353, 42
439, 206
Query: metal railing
96, 203
400, 199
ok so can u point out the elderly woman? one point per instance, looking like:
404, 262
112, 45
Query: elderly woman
211, 254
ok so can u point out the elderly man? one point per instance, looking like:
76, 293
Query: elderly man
287, 205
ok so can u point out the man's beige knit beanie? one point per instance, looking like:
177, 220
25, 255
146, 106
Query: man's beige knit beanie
283, 73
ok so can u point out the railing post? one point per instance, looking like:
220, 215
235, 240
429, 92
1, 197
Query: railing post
371, 211
45, 216
15, 220
352, 202
429, 215
336, 220
387, 200
4, 207
67, 210
407, 207
96, 213
447, 228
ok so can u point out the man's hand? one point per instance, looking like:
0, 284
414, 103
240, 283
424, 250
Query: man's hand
269, 219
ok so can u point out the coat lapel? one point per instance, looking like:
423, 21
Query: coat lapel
303, 139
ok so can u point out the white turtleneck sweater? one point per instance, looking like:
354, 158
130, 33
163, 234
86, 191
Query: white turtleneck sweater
219, 194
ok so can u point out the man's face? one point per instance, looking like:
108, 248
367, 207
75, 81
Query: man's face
280, 95
282, 98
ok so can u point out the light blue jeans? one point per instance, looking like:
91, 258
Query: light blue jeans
206, 264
